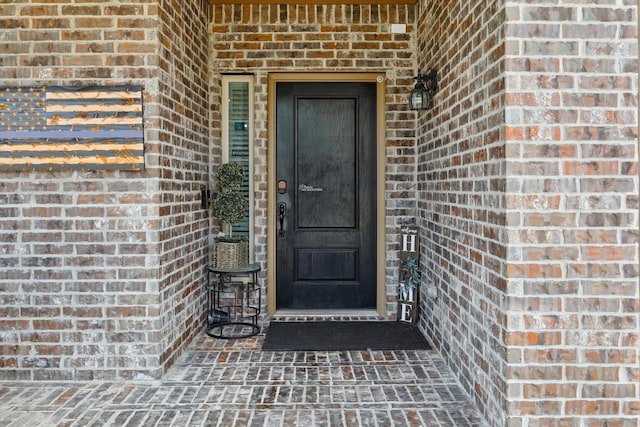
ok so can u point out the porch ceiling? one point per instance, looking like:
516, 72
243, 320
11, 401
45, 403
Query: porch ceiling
313, 1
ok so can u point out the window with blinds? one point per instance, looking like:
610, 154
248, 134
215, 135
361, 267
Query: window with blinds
237, 143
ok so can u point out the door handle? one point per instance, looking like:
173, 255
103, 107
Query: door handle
281, 214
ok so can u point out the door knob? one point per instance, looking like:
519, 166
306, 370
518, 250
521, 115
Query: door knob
281, 212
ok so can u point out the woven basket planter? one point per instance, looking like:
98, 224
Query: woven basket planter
230, 255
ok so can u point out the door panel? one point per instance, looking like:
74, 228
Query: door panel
326, 152
327, 188
338, 264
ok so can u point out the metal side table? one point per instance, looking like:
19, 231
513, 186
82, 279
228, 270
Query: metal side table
233, 305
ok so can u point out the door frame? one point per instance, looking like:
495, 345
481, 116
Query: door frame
301, 77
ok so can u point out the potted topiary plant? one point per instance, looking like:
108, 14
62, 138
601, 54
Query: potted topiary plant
230, 207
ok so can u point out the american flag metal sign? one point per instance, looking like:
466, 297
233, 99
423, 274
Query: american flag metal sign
55, 128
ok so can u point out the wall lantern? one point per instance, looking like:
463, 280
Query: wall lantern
426, 86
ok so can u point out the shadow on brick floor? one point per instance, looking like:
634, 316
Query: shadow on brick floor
233, 383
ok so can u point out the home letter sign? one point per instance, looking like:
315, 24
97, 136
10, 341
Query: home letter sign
409, 275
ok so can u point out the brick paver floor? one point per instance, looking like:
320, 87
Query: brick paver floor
233, 383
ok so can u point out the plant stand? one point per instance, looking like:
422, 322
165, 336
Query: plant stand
233, 306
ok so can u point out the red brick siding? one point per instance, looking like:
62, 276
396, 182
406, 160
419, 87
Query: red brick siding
341, 38
572, 222
528, 198
100, 269
526, 173
461, 200
184, 122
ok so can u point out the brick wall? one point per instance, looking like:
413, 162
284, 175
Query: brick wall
461, 195
346, 38
572, 213
99, 269
183, 120
528, 189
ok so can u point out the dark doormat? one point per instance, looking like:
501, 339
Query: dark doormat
336, 336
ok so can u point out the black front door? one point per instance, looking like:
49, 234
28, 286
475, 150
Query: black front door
326, 201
